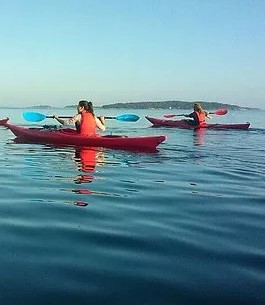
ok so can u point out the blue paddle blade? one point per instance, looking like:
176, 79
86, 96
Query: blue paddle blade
33, 116
128, 117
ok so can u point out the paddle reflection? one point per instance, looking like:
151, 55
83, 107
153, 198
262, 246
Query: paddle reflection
86, 159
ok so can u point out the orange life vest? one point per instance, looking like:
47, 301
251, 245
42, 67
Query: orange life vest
201, 117
88, 124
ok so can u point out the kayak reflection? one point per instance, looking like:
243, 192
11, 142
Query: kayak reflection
87, 158
199, 136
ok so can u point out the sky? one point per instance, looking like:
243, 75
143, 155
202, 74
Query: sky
56, 52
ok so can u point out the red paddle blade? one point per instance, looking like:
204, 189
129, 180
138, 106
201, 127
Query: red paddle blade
221, 112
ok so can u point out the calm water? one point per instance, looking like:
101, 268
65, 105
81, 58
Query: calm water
182, 226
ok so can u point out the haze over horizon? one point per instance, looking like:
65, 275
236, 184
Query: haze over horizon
58, 52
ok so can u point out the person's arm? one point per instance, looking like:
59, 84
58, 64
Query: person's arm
71, 121
191, 115
207, 115
100, 122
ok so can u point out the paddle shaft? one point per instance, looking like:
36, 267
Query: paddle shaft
186, 114
68, 117
60, 116
217, 112
37, 117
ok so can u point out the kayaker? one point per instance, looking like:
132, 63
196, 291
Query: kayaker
85, 120
198, 115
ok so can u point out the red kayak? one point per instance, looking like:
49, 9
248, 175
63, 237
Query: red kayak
72, 137
185, 125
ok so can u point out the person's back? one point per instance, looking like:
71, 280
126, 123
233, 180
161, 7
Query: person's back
201, 117
87, 124
198, 116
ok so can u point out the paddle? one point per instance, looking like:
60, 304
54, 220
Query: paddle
217, 112
38, 117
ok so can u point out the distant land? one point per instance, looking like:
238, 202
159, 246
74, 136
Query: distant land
149, 105
174, 105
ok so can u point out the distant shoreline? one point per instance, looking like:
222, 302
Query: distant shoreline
175, 105
148, 105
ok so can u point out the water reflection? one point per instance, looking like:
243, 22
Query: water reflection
86, 159
199, 136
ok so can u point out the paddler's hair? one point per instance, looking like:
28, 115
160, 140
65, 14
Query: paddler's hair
87, 105
198, 107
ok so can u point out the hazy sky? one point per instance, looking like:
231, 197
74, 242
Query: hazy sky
56, 52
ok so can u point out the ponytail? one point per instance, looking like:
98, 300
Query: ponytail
87, 105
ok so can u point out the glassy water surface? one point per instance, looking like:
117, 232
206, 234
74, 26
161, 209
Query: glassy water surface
184, 225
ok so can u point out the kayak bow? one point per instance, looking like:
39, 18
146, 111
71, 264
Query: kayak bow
4, 121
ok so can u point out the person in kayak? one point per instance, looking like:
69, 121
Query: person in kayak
85, 120
198, 115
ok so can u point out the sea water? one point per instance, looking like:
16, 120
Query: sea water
183, 225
